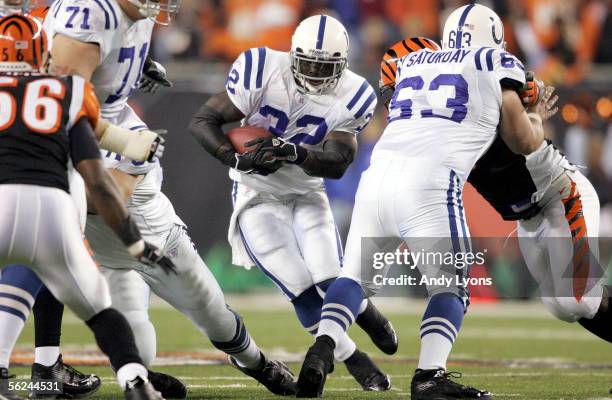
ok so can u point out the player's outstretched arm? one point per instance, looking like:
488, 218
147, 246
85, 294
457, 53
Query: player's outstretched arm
522, 134
85, 155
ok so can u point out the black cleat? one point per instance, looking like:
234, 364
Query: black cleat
5, 393
318, 363
139, 389
366, 373
378, 328
167, 385
274, 375
75, 384
434, 384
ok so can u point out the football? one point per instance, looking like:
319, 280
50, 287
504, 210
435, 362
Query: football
245, 134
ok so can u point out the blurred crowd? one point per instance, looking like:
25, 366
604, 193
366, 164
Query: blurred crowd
563, 41
559, 39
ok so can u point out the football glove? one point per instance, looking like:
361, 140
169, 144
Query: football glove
154, 76
154, 257
158, 147
281, 149
531, 93
256, 161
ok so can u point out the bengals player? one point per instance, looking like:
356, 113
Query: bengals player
46, 123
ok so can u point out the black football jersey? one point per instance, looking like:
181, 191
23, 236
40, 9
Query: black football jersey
36, 115
503, 179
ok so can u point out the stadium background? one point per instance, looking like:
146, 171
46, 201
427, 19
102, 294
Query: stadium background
566, 42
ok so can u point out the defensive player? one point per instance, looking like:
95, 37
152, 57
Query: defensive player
46, 123
315, 108
107, 42
453, 101
557, 210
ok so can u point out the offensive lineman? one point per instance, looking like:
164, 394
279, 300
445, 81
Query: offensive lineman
314, 107
452, 101
108, 42
46, 123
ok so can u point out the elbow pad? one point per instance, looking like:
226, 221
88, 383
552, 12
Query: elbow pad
135, 145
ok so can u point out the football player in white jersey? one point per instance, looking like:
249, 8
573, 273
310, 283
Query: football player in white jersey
314, 107
445, 112
107, 42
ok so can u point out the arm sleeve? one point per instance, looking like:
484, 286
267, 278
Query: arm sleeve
83, 143
509, 71
360, 105
87, 21
245, 80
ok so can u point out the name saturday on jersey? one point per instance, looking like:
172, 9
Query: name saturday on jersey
428, 57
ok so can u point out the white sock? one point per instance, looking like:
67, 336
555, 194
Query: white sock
47, 355
10, 328
130, 372
435, 349
345, 348
249, 357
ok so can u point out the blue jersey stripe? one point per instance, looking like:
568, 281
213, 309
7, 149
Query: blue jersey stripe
365, 105
461, 23
489, 58
261, 62
247, 69
58, 6
358, 95
106, 15
477, 59
321, 32
113, 12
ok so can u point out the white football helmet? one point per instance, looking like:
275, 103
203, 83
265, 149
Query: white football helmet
473, 25
319, 54
160, 11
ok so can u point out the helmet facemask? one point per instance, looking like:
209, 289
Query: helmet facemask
317, 74
160, 11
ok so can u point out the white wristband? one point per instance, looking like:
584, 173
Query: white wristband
137, 248
535, 116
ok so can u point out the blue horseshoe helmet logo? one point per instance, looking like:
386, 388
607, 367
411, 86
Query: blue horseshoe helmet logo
495, 39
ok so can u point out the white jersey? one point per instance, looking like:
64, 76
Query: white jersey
124, 46
446, 108
262, 87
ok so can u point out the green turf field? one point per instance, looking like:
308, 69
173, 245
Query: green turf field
515, 355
